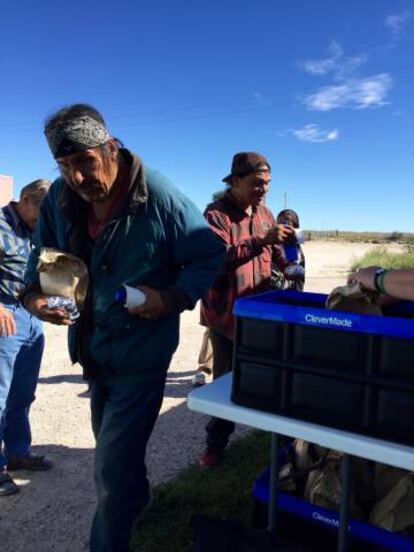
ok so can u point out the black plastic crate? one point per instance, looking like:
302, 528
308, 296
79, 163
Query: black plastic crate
355, 372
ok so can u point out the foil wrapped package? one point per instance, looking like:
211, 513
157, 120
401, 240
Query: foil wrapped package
59, 302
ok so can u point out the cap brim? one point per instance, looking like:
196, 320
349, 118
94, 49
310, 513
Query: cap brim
228, 178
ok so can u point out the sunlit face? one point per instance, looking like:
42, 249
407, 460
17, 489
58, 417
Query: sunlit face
288, 218
250, 190
89, 173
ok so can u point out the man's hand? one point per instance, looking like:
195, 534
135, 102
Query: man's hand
37, 305
153, 308
278, 234
364, 277
7, 323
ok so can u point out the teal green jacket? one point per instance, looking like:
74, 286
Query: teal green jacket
158, 239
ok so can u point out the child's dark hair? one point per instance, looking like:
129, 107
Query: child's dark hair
288, 213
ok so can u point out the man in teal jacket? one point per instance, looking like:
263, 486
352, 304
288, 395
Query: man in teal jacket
130, 226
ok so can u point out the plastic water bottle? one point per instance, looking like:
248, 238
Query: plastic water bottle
290, 247
130, 296
299, 235
291, 252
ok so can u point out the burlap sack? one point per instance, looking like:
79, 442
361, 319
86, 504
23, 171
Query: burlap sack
302, 458
386, 478
323, 487
63, 274
353, 299
395, 511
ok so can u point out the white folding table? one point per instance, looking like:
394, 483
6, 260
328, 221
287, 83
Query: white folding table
214, 399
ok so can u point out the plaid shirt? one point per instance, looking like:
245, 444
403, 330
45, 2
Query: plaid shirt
15, 247
248, 264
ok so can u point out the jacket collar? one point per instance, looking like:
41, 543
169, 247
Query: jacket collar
138, 192
231, 200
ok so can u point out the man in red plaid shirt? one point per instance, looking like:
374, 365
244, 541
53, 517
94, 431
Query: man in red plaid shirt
252, 236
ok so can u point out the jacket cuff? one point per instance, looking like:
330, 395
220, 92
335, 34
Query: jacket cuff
175, 300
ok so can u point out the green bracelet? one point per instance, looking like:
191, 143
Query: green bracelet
379, 281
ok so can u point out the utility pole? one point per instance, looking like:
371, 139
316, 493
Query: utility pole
285, 200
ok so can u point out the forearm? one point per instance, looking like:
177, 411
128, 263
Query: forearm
394, 283
237, 252
242, 252
399, 284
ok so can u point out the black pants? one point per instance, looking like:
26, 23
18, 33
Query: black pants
218, 430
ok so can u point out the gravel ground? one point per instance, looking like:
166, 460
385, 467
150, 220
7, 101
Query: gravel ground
53, 510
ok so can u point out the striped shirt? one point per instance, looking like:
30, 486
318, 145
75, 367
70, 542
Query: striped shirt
15, 247
248, 264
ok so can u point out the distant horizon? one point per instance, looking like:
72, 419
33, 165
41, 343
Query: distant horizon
360, 232
390, 230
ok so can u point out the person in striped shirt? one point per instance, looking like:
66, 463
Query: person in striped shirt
252, 236
21, 337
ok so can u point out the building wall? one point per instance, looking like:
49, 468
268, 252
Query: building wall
6, 189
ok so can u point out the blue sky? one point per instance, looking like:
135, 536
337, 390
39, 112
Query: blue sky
324, 89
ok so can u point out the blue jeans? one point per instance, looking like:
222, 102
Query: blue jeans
123, 416
20, 358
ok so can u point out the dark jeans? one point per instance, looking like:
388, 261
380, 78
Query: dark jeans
218, 430
20, 358
123, 416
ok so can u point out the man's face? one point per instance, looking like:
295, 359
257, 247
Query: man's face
89, 173
251, 189
29, 211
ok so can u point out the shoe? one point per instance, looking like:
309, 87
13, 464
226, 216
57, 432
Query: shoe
33, 462
210, 459
7, 485
199, 379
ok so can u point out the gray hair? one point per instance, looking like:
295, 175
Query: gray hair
36, 190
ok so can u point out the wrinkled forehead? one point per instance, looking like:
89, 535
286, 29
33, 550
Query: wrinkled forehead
76, 158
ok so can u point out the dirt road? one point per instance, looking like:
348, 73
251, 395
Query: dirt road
53, 511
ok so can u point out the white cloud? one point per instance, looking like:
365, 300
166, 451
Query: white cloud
339, 65
325, 65
396, 21
313, 133
351, 94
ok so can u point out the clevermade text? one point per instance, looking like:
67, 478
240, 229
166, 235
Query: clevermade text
329, 321
324, 519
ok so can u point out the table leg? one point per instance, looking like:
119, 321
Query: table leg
344, 504
273, 483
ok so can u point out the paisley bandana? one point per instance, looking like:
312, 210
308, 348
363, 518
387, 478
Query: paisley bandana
76, 135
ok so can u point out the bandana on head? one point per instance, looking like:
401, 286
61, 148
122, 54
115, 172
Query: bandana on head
76, 135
